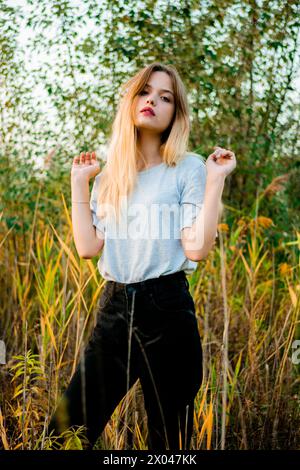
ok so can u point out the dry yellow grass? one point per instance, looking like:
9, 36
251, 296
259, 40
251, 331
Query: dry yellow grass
247, 306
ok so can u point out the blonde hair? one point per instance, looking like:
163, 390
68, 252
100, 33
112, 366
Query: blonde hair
119, 174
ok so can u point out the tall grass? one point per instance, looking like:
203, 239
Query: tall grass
246, 295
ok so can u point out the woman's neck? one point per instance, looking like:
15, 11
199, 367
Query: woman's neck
149, 146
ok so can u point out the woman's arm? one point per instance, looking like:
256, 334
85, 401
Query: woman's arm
198, 240
86, 241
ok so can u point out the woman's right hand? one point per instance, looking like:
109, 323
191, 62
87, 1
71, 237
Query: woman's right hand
85, 166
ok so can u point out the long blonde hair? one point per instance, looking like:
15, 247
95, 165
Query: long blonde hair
119, 174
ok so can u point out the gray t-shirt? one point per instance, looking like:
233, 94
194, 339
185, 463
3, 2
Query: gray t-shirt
147, 244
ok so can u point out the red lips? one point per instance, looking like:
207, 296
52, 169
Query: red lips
147, 108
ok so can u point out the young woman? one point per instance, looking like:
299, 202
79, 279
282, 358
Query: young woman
154, 213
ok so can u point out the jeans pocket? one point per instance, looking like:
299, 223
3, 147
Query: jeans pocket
108, 329
105, 296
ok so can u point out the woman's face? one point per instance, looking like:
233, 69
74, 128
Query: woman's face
160, 101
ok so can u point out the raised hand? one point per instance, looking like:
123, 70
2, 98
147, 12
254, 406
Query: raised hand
85, 166
220, 163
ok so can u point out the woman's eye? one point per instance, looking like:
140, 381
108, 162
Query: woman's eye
143, 92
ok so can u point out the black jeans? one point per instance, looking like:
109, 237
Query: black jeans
146, 330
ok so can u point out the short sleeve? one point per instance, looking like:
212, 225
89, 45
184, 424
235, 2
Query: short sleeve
97, 222
192, 194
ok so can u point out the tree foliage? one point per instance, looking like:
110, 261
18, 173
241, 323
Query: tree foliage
60, 87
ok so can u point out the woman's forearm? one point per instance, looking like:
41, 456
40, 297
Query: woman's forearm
202, 234
86, 241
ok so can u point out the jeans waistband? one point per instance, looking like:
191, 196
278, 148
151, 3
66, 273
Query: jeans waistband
149, 283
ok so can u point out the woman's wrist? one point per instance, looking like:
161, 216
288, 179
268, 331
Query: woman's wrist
79, 179
80, 191
215, 179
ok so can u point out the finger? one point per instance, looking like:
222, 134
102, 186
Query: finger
212, 156
229, 155
76, 160
82, 157
224, 154
87, 157
218, 151
218, 155
93, 155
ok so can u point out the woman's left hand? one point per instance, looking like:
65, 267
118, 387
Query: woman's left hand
220, 163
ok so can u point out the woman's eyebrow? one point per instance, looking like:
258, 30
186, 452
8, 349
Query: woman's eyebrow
168, 91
